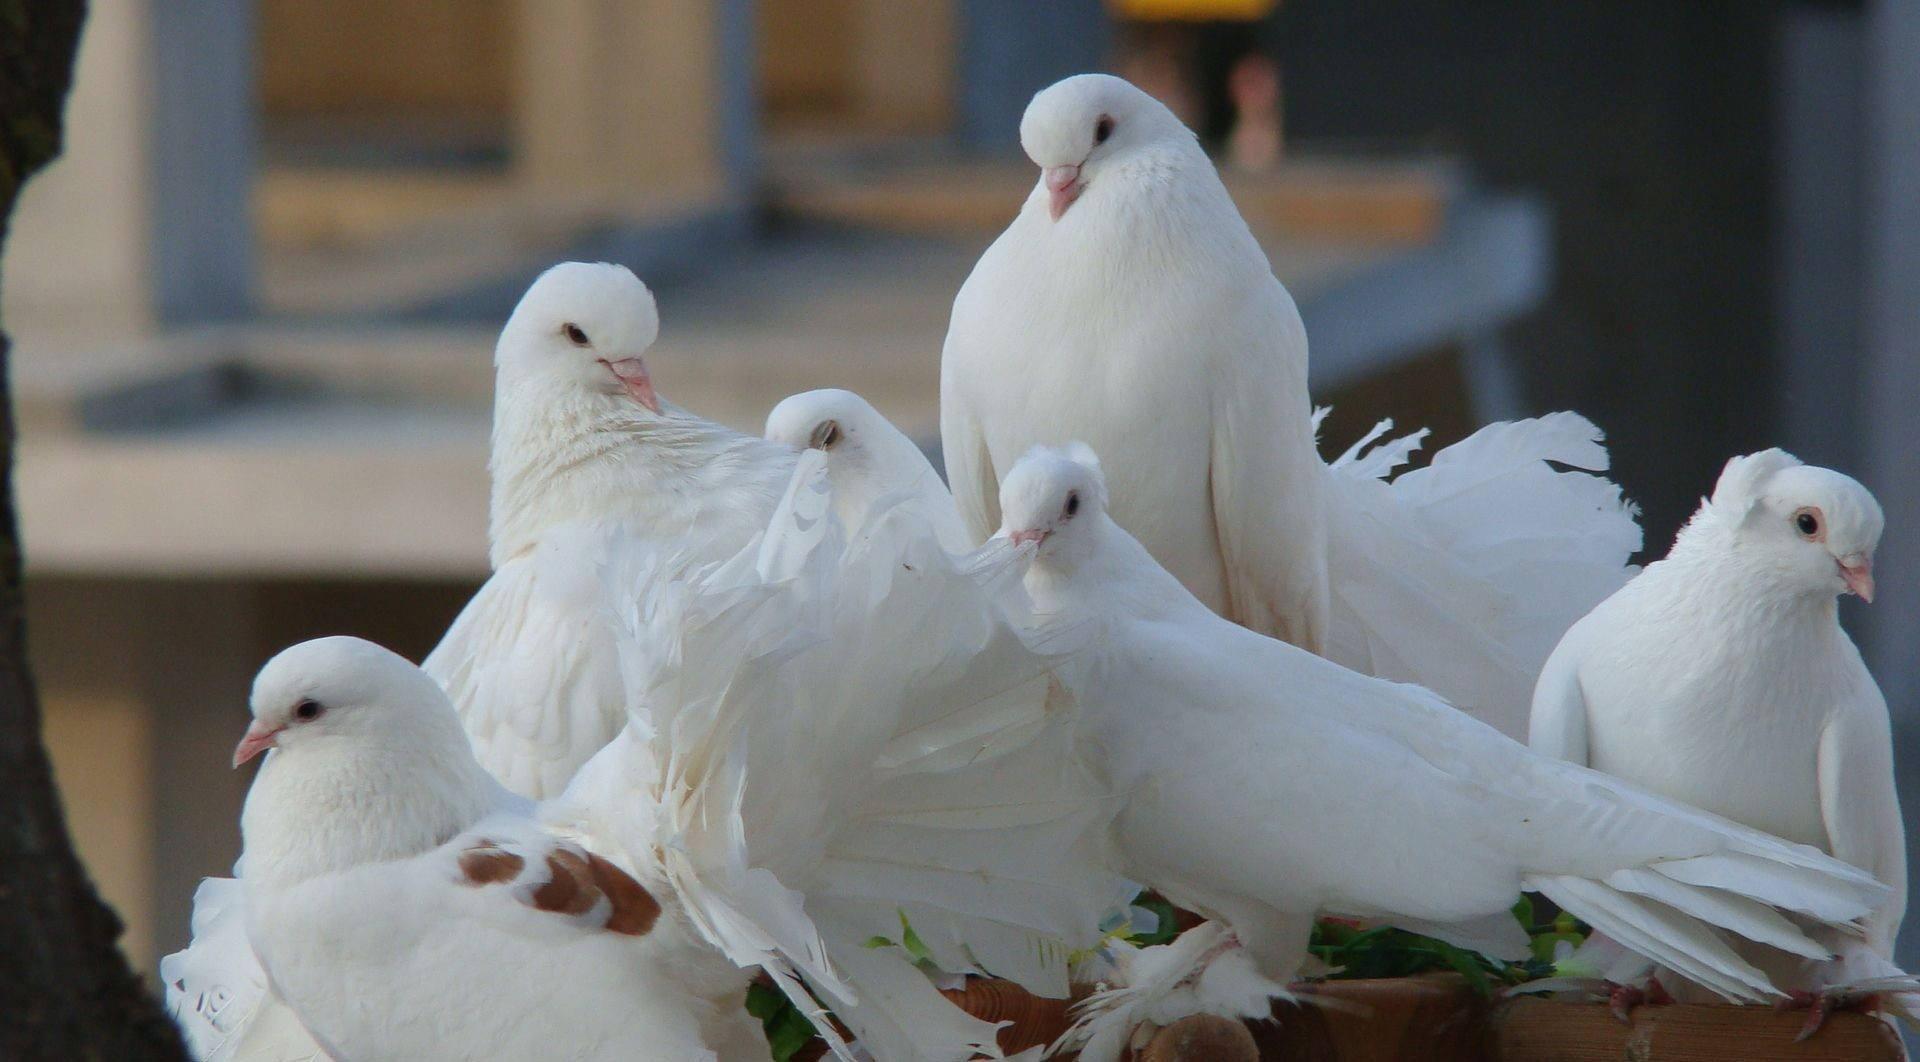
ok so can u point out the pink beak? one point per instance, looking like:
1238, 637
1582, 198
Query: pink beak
1857, 570
1021, 538
259, 738
632, 374
1063, 187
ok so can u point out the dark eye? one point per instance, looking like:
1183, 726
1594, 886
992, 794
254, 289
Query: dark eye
307, 711
1807, 522
575, 334
1073, 502
826, 435
1102, 129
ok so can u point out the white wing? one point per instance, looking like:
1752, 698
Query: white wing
531, 663
970, 476
1558, 724
503, 942
1462, 576
1262, 725
218, 993
1267, 484
851, 745
1859, 803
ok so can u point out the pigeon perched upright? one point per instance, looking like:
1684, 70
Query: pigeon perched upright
1721, 677
1266, 786
1128, 306
868, 459
589, 466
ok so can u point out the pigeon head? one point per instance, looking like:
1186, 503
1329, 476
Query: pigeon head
1054, 498
343, 692
1076, 129
1812, 527
586, 324
829, 419
370, 763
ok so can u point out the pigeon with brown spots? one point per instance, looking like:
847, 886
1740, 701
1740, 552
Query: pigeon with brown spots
404, 905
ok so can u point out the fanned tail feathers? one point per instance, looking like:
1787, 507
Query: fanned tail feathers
1462, 576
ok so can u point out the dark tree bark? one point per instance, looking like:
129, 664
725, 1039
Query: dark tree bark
68, 991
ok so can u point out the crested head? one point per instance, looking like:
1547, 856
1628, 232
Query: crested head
369, 759
1055, 498
1807, 529
1090, 124
582, 325
829, 419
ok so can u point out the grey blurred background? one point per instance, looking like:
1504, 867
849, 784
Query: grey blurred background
255, 302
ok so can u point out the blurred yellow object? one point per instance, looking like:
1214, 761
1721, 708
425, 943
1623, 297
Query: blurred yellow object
1193, 10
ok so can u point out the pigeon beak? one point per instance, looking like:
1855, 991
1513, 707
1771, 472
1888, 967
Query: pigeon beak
1035, 535
259, 738
1857, 570
632, 374
1063, 187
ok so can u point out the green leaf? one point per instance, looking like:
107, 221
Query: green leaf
912, 942
788, 1030
1523, 911
1166, 929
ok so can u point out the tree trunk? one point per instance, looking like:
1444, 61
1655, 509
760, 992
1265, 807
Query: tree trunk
69, 993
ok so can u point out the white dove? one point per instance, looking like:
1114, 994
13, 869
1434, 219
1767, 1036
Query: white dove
407, 906
1721, 677
868, 460
829, 745
1129, 306
589, 466
1266, 785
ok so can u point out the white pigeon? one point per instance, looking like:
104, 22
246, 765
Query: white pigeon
1266, 786
828, 747
589, 466
1721, 677
848, 741
407, 906
1128, 306
868, 460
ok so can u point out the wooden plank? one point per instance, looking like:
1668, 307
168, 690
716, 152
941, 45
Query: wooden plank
1437, 1018
1538, 1030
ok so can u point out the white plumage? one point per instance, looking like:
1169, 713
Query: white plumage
827, 744
846, 739
589, 467
1721, 677
1460, 575
1267, 785
869, 461
404, 903
218, 994
1128, 306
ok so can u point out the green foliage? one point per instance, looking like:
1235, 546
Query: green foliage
1165, 932
1383, 951
788, 1030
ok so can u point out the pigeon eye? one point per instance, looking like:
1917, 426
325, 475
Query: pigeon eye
575, 334
1102, 129
1073, 502
826, 435
1808, 522
308, 711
